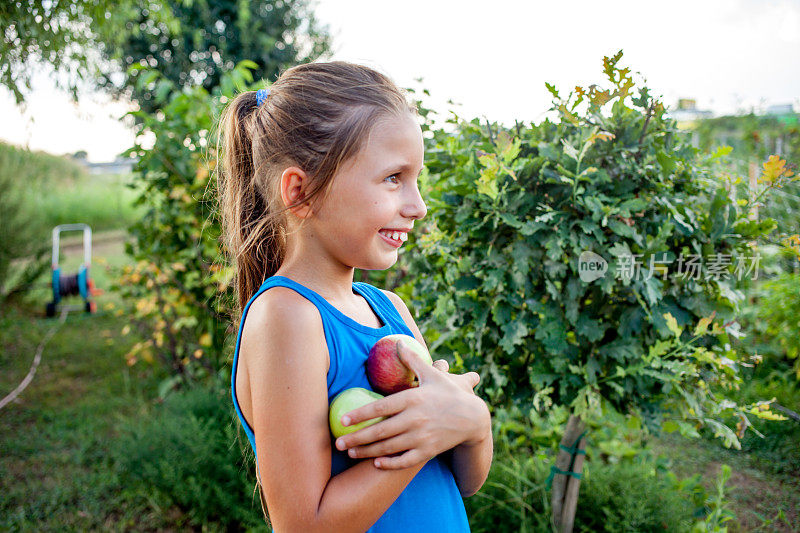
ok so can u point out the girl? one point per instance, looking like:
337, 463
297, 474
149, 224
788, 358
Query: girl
319, 178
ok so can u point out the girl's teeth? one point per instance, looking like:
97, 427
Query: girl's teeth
396, 235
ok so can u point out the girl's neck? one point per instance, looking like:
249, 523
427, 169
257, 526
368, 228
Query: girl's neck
334, 288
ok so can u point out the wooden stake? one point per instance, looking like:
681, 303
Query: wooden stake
560, 482
573, 484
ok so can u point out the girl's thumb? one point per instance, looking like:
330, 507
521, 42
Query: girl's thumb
421, 367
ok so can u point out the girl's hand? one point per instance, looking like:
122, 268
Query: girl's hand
424, 421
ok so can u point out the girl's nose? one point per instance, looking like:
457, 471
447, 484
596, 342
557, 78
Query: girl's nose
415, 208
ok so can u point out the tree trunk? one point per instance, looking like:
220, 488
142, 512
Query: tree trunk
564, 497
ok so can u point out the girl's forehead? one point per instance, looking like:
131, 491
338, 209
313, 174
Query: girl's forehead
393, 144
397, 134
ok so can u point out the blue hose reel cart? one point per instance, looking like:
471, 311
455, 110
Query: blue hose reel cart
74, 284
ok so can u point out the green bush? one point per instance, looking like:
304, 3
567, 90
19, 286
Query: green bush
184, 452
498, 278
630, 497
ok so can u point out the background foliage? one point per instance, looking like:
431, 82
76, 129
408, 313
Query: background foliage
63, 35
496, 277
181, 291
205, 40
24, 176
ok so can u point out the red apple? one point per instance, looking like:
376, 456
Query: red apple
386, 372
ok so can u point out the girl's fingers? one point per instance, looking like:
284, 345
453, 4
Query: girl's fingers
386, 406
398, 443
376, 432
406, 460
442, 365
409, 357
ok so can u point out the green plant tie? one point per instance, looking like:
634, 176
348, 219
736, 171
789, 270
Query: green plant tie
573, 451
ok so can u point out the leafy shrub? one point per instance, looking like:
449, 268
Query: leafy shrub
775, 448
184, 453
180, 294
497, 279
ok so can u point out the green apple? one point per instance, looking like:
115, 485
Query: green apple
347, 401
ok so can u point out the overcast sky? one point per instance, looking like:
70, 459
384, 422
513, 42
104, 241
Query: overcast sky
493, 58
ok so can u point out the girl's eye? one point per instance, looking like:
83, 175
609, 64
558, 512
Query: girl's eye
394, 177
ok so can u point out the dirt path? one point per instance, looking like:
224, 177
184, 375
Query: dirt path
103, 242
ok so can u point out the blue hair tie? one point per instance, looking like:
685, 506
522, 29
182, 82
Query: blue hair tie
261, 95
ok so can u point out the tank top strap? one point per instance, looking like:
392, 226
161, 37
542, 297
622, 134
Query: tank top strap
387, 309
281, 281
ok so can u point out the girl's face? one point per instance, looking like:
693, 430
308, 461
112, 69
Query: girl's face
376, 190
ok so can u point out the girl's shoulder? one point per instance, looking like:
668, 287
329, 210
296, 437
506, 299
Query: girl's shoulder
281, 310
279, 299
398, 303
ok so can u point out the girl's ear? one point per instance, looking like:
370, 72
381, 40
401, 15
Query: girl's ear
294, 184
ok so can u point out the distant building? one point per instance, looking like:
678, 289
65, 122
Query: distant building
687, 114
783, 112
121, 165
780, 109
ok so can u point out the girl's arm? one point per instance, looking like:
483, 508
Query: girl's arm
469, 461
284, 353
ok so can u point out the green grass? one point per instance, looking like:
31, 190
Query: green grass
755, 494
103, 202
65, 442
54, 470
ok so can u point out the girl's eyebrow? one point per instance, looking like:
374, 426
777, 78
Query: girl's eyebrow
402, 166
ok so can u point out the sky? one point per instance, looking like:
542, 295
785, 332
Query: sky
493, 58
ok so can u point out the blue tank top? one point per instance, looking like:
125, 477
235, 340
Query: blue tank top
431, 501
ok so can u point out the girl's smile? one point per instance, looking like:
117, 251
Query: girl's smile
394, 238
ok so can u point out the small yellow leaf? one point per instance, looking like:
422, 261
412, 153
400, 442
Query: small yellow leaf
774, 169
702, 325
568, 115
741, 426
602, 135
177, 192
205, 339
672, 324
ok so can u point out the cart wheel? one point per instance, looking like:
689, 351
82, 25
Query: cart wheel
50, 310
